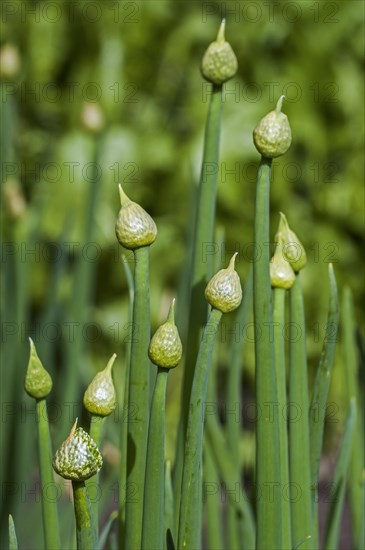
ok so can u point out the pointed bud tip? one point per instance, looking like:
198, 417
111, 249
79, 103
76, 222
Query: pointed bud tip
221, 31
171, 314
111, 361
232, 261
279, 104
123, 197
73, 429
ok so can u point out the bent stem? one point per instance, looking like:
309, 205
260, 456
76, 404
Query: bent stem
299, 454
138, 396
85, 528
154, 503
268, 528
279, 343
190, 508
49, 507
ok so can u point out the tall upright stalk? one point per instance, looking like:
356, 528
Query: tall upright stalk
139, 396
212, 502
200, 270
38, 384
219, 64
50, 515
234, 431
268, 530
190, 507
136, 230
299, 451
279, 342
224, 294
85, 527
125, 409
154, 502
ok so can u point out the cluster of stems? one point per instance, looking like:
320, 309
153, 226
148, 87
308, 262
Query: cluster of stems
170, 499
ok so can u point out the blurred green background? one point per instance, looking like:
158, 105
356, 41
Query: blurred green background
97, 93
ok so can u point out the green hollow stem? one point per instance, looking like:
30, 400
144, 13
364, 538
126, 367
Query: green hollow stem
190, 509
212, 505
340, 480
268, 527
234, 434
317, 411
299, 452
85, 527
201, 269
356, 476
169, 504
51, 528
153, 532
124, 423
138, 398
96, 428
279, 345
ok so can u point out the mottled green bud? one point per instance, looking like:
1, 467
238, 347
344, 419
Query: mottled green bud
293, 249
281, 272
100, 397
134, 227
78, 458
219, 62
165, 349
38, 382
224, 291
272, 135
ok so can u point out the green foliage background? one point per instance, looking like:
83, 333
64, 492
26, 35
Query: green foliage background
140, 61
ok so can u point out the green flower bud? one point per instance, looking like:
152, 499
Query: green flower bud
272, 135
224, 291
293, 249
38, 382
219, 62
100, 397
78, 458
134, 227
281, 272
165, 349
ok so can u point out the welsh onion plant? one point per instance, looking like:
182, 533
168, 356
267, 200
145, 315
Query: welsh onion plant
169, 509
